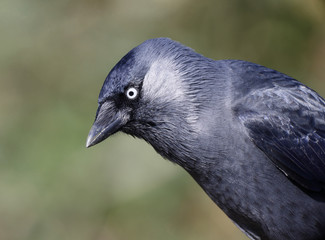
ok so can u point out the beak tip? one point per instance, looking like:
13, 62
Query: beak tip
90, 142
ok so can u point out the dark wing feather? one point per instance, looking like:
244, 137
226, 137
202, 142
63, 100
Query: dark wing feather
286, 120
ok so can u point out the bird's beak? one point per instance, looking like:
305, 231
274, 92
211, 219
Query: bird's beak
108, 121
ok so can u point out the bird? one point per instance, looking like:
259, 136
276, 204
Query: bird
252, 137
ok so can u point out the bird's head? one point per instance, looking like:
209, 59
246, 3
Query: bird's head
150, 94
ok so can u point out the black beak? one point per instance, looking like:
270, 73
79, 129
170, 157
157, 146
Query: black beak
108, 121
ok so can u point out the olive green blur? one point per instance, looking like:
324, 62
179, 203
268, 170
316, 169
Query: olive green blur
54, 57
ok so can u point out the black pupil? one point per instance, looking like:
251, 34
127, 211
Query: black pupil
131, 93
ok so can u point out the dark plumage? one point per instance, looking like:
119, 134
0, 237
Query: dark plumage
252, 137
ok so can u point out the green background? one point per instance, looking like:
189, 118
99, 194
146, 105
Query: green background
54, 57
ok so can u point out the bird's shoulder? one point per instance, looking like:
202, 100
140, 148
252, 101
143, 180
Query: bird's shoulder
286, 120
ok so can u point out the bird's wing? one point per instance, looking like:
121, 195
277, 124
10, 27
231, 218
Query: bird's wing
286, 120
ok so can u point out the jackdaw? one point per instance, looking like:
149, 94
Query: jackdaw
253, 138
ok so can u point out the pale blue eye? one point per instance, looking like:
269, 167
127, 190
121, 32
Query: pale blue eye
132, 93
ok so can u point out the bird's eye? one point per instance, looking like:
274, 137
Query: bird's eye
132, 93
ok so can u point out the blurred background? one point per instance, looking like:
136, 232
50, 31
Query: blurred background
54, 57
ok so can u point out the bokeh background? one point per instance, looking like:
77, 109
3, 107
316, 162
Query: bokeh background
54, 57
